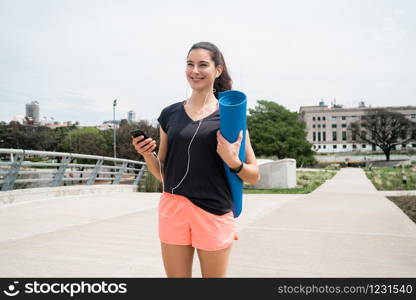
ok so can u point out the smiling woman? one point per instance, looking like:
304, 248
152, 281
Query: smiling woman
195, 208
202, 65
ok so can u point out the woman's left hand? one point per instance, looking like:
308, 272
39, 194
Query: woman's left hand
229, 151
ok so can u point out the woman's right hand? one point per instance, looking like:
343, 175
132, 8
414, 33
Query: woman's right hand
144, 147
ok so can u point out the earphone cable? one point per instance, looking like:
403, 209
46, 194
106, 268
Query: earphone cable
189, 147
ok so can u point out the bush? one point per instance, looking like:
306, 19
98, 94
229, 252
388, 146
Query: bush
150, 184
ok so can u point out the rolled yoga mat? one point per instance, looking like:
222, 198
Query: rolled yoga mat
233, 116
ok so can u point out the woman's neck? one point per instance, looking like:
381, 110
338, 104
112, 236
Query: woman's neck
198, 99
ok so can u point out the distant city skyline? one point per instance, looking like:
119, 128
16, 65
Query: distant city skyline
131, 116
32, 111
75, 57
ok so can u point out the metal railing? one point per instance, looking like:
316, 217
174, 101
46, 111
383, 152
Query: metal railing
63, 168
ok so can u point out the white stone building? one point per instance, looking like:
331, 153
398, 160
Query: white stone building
328, 132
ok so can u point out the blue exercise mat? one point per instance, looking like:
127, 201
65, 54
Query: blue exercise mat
233, 116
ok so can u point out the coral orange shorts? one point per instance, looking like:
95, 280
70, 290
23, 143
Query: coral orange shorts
183, 223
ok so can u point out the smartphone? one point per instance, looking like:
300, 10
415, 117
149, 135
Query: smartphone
138, 132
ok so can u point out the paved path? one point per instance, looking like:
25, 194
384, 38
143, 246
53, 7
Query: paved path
100, 234
343, 229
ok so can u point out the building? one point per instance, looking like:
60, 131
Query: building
109, 124
131, 116
328, 131
61, 124
32, 111
19, 118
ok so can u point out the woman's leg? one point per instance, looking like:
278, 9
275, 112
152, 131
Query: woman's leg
177, 260
214, 263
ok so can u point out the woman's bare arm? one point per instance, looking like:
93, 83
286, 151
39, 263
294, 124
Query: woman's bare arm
152, 162
250, 172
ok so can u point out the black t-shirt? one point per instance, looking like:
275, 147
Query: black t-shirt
205, 183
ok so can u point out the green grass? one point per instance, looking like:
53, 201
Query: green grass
407, 204
391, 179
306, 182
332, 168
42, 160
150, 184
355, 153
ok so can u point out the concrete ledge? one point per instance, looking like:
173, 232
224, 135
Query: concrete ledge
398, 193
276, 174
42, 193
314, 170
391, 163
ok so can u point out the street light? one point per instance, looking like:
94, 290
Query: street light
114, 125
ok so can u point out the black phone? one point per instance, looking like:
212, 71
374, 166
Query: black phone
138, 132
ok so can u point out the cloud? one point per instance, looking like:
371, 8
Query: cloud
75, 57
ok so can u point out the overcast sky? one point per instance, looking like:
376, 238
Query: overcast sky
74, 57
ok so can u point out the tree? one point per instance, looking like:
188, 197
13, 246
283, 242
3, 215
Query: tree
384, 128
61, 133
44, 139
124, 147
108, 142
28, 137
86, 140
274, 130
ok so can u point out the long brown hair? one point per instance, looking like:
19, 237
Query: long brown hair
223, 82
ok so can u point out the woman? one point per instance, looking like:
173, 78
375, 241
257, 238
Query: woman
195, 209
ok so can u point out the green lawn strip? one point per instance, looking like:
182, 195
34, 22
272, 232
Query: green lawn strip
388, 179
307, 181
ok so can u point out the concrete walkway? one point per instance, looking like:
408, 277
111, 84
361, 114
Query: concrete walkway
98, 231
343, 229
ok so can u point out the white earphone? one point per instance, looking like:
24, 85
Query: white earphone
189, 148
189, 154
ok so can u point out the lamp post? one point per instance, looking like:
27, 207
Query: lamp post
114, 125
